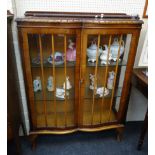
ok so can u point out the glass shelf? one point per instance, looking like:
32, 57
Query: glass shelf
89, 93
112, 63
48, 65
49, 96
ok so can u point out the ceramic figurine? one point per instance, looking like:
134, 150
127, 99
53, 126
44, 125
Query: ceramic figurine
100, 91
37, 84
71, 51
60, 93
50, 85
111, 80
92, 81
104, 56
92, 50
115, 47
58, 58
68, 84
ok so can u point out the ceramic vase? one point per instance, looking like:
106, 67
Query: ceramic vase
111, 80
50, 85
37, 84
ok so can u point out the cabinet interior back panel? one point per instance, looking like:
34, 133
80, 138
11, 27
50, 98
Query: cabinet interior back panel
127, 6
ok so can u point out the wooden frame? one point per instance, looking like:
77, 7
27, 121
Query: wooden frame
145, 12
81, 27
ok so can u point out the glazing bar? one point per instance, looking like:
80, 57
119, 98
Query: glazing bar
95, 79
55, 106
116, 69
105, 81
65, 80
43, 81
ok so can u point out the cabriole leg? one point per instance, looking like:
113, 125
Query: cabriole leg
33, 140
119, 132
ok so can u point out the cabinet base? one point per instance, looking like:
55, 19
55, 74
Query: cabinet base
119, 127
34, 134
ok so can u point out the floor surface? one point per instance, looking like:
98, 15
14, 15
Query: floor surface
80, 143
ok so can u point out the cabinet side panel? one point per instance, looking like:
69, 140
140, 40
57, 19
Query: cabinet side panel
132, 53
28, 77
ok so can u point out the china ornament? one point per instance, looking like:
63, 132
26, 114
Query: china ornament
37, 84
71, 51
68, 84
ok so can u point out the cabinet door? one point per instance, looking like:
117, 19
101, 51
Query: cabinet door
105, 56
51, 60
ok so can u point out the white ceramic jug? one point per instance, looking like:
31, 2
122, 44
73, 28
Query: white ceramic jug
104, 56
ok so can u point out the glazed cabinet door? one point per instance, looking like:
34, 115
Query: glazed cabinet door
104, 62
51, 61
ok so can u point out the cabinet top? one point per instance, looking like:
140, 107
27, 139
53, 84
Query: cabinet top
75, 17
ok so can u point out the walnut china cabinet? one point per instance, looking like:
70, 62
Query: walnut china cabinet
77, 69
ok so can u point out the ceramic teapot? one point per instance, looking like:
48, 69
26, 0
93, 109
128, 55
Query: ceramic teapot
37, 84
111, 80
68, 84
115, 47
50, 86
92, 50
71, 51
104, 55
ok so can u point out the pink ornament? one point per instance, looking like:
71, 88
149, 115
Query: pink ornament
71, 51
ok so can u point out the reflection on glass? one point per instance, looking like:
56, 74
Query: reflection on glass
53, 61
105, 62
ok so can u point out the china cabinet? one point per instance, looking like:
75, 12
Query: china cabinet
77, 69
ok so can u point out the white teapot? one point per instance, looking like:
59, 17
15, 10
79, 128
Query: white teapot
104, 56
115, 47
92, 50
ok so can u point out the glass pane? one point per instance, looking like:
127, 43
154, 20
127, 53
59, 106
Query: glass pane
53, 61
105, 69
